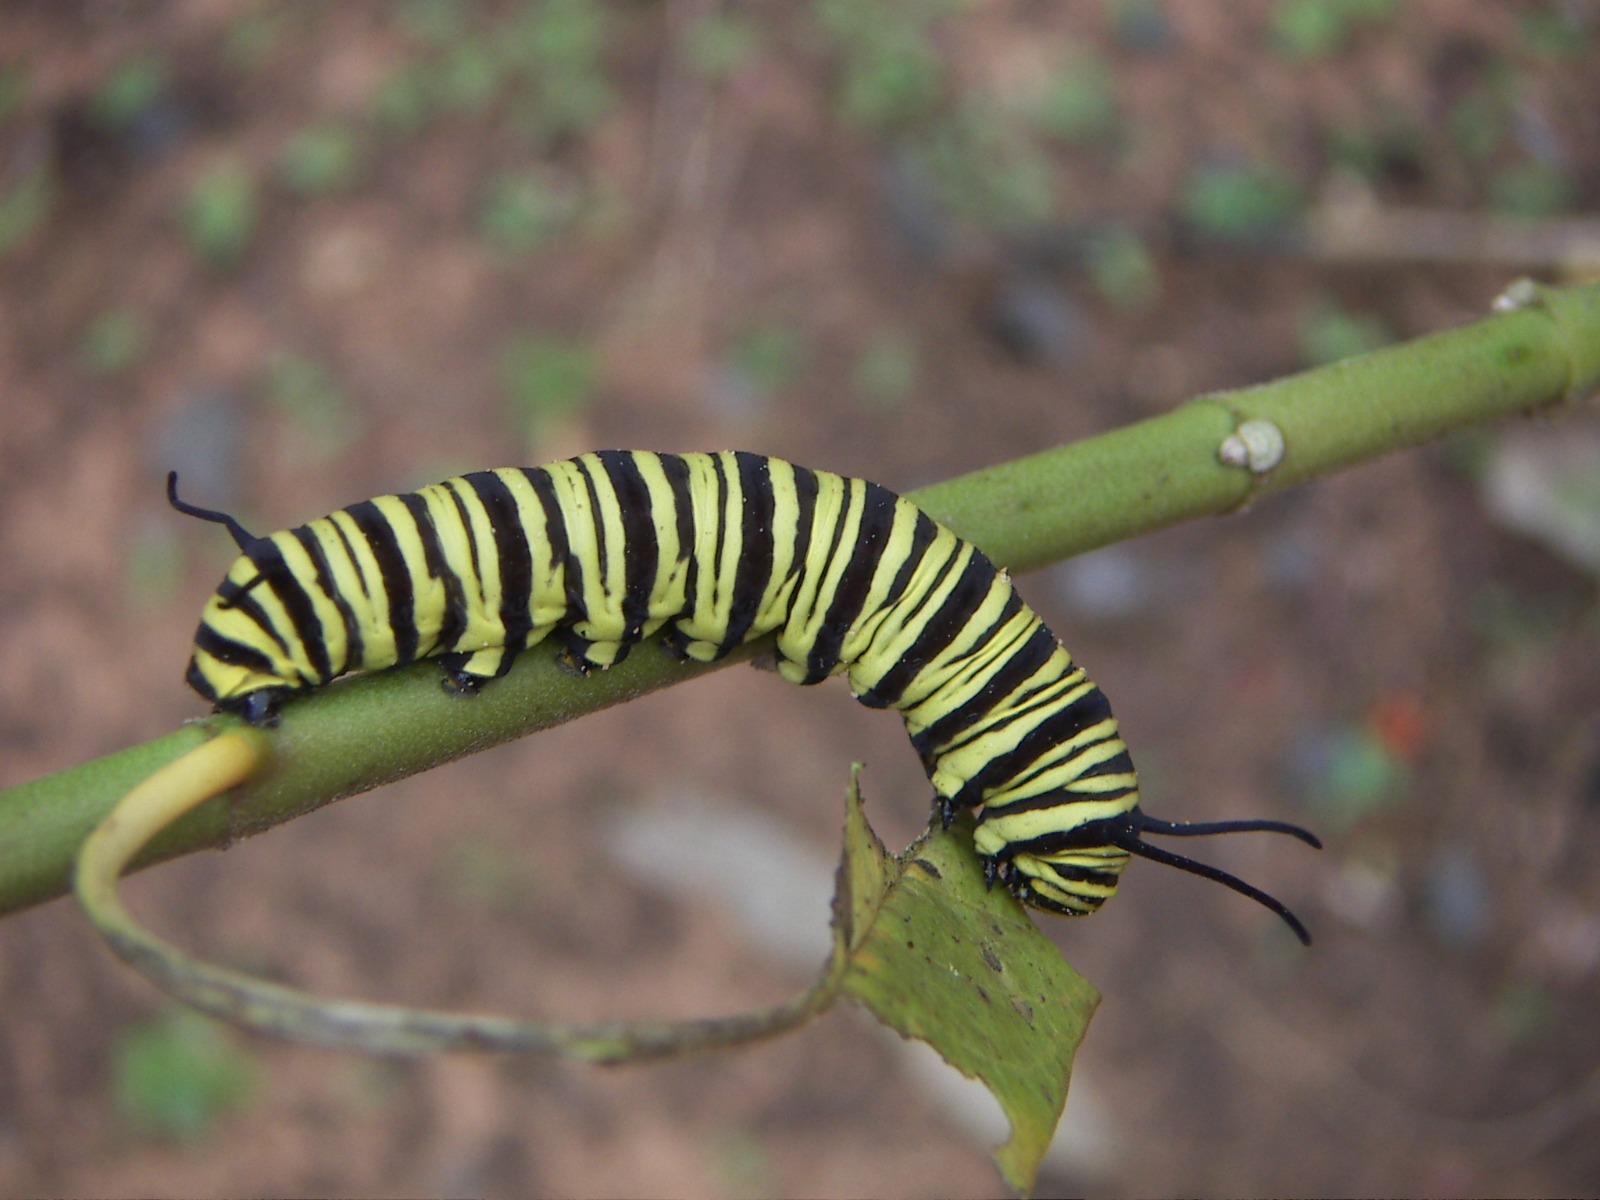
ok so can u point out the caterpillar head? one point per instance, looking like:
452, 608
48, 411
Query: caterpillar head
1074, 872
239, 664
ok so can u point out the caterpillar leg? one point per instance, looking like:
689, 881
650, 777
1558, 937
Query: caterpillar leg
465, 673
682, 645
581, 656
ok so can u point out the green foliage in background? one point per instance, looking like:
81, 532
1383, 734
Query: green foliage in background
985, 167
321, 159
220, 216
724, 43
310, 396
546, 379
1329, 332
523, 210
114, 342
25, 206
176, 1076
768, 357
887, 370
1079, 103
890, 73
129, 91
1315, 28
1240, 204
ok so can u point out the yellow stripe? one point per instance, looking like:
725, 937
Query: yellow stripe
330, 624
377, 636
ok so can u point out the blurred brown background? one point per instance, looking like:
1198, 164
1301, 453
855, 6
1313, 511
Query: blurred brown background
309, 253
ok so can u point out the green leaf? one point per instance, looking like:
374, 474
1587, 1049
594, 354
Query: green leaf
1556, 34
523, 210
962, 967
114, 342
768, 357
321, 159
175, 1076
1532, 190
558, 35
890, 73
886, 370
220, 216
435, 22
1240, 203
25, 207
1080, 103
14, 84
252, 38
985, 168
1329, 332
132, 88
548, 378
1310, 28
468, 79
405, 101
720, 45
312, 398
1123, 269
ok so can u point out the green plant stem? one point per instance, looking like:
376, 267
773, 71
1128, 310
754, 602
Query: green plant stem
367, 731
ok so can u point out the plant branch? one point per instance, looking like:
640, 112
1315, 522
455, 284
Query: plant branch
358, 734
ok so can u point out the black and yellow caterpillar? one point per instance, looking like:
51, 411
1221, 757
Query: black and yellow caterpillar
712, 551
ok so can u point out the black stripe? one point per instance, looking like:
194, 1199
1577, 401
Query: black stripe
641, 551
466, 531
806, 487
1077, 874
512, 556
850, 595
235, 654
317, 553
575, 580
243, 601
1042, 745
678, 482
1085, 836
1118, 764
754, 571
1010, 674
394, 573
943, 627
819, 665
805, 497
355, 562
232, 595
297, 605
453, 620
719, 527
1058, 798
922, 534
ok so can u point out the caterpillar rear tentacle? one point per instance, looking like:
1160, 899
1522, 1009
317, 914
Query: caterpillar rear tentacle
713, 551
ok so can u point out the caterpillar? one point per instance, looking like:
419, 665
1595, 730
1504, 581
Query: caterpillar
713, 550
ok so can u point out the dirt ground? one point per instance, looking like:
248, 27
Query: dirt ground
744, 260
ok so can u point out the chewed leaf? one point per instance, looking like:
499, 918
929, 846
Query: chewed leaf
963, 968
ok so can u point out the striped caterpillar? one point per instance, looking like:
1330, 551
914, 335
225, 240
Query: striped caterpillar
713, 550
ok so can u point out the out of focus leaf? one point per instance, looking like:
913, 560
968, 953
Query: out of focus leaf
1239, 203
114, 342
174, 1077
220, 216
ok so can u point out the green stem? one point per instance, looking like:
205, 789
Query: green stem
364, 732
